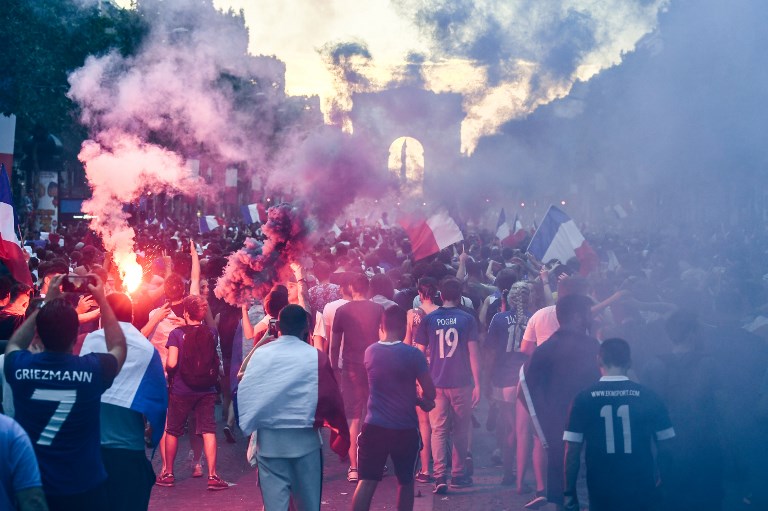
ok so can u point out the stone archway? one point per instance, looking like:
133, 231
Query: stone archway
406, 163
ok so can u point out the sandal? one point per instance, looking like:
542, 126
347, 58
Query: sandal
165, 479
352, 475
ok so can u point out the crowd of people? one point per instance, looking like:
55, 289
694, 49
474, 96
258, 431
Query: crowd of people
655, 365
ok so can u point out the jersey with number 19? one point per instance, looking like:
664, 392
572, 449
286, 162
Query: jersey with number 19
57, 398
446, 333
619, 420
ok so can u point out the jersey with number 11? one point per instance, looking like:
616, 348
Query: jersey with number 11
618, 420
57, 398
446, 333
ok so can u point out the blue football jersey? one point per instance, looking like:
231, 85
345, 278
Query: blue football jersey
57, 398
446, 333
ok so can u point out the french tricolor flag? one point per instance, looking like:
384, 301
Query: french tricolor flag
559, 238
10, 251
140, 385
298, 391
253, 213
209, 223
430, 235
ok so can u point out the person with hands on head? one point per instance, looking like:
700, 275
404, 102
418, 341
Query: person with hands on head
57, 397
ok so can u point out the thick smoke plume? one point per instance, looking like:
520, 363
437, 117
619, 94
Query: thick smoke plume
526, 54
119, 173
252, 270
178, 95
330, 171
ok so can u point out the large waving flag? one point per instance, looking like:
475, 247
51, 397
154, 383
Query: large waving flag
558, 237
140, 385
209, 223
253, 213
10, 251
430, 235
290, 384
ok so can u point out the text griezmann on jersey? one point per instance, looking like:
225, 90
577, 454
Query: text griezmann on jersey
48, 375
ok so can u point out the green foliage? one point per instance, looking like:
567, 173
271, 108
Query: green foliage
42, 42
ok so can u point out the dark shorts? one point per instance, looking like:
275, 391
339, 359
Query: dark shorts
179, 407
130, 478
376, 443
354, 391
92, 500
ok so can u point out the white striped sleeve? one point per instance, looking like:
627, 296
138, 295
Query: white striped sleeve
570, 436
665, 434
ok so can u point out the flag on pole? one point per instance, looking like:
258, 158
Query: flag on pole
430, 235
10, 250
559, 238
510, 236
209, 223
253, 213
502, 227
140, 385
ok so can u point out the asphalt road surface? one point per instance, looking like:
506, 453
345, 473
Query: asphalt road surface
190, 494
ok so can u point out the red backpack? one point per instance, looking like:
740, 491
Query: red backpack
198, 358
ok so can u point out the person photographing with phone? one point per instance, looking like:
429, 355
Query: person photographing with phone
57, 396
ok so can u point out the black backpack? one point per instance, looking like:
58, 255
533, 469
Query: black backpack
199, 359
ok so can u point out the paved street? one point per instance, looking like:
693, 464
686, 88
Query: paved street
191, 495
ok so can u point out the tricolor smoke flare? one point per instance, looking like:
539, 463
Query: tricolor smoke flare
252, 270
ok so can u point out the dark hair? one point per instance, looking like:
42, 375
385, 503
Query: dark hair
615, 352
292, 320
359, 283
174, 287
196, 307
90, 254
394, 320
6, 283
122, 307
681, 326
56, 267
382, 285
275, 301
572, 305
57, 325
573, 285
427, 287
322, 270
18, 289
505, 278
450, 289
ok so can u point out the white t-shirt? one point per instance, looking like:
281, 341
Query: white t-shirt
159, 336
329, 312
541, 326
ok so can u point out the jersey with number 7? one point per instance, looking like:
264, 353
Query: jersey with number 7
619, 420
446, 333
57, 398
